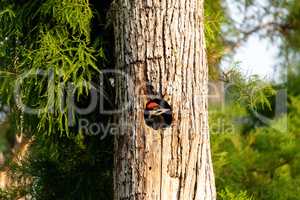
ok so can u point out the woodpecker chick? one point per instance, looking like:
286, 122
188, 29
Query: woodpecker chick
158, 114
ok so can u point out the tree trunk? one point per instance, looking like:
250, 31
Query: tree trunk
160, 47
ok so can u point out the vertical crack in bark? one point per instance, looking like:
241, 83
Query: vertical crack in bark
164, 48
195, 186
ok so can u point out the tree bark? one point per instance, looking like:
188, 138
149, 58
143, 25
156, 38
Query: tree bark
160, 46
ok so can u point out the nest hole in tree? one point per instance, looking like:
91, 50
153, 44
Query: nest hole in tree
158, 114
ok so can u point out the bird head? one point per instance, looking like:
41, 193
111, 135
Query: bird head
152, 105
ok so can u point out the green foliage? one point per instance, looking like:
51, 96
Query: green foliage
3, 140
13, 193
70, 64
52, 51
214, 18
254, 95
291, 21
76, 14
57, 57
264, 162
61, 168
261, 160
293, 81
227, 195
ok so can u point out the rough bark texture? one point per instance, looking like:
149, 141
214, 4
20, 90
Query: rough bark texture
161, 43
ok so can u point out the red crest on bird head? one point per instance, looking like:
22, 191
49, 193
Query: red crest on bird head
151, 105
